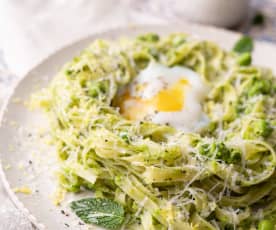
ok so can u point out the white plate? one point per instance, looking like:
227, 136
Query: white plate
20, 127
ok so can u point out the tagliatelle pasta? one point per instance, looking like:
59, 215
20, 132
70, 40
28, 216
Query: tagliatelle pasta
221, 177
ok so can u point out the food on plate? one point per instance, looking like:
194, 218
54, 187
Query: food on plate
167, 132
164, 95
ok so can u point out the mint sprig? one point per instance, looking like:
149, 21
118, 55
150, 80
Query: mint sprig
243, 47
99, 211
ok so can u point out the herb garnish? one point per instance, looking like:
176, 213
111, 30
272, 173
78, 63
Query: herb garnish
100, 211
244, 45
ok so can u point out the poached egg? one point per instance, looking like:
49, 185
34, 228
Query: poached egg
164, 95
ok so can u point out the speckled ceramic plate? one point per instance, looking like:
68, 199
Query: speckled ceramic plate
27, 161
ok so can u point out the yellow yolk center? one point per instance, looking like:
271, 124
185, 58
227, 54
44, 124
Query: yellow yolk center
171, 99
166, 100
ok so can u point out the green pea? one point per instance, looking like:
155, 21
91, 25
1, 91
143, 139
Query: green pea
68, 72
244, 59
265, 225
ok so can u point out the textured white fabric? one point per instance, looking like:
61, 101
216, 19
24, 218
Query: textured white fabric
32, 29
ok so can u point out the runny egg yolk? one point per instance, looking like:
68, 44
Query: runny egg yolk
171, 99
168, 99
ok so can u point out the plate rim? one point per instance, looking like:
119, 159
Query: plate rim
11, 195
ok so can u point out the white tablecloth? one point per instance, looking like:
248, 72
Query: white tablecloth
31, 29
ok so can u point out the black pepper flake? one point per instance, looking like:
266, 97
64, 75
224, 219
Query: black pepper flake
30, 162
29, 134
105, 140
67, 225
64, 213
80, 223
37, 191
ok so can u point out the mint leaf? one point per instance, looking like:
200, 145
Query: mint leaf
244, 45
100, 211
